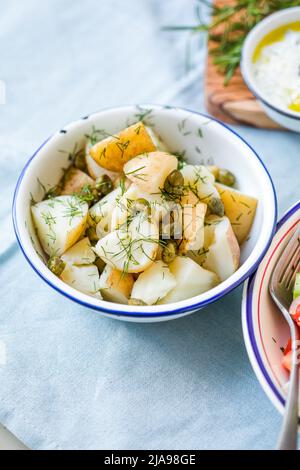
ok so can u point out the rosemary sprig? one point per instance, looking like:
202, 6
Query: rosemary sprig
229, 27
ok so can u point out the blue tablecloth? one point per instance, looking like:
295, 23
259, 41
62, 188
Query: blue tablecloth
72, 379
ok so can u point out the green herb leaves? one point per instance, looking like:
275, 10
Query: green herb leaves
229, 27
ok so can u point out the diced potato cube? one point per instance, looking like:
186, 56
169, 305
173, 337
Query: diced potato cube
95, 170
59, 222
191, 280
149, 170
193, 214
84, 278
102, 210
113, 152
157, 206
80, 253
240, 210
132, 249
222, 249
75, 180
154, 283
116, 286
201, 182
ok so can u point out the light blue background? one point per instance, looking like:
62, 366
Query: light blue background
73, 379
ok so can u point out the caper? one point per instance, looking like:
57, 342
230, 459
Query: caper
216, 206
137, 302
79, 161
226, 177
56, 265
100, 264
169, 251
96, 196
92, 234
141, 205
175, 178
174, 183
104, 185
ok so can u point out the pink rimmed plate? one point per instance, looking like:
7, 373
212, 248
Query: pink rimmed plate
265, 331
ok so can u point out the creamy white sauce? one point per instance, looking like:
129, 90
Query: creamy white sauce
277, 71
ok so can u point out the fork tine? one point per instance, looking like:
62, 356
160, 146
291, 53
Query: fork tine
280, 289
292, 265
295, 270
285, 269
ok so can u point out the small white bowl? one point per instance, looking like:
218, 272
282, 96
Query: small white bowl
283, 116
264, 328
203, 140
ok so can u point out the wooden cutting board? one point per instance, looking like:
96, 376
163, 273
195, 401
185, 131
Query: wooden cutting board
233, 103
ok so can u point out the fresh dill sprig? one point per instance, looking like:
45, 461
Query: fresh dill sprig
136, 174
52, 192
48, 218
229, 27
122, 146
122, 185
99, 134
86, 194
73, 208
144, 115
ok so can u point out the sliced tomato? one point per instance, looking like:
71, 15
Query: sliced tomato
287, 356
295, 314
288, 347
295, 310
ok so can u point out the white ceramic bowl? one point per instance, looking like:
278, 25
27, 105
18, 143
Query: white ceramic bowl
283, 116
203, 140
265, 330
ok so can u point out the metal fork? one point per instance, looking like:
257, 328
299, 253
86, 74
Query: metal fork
281, 290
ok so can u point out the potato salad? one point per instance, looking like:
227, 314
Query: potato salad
129, 222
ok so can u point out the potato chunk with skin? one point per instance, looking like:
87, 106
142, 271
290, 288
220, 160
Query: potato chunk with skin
223, 251
80, 253
149, 170
84, 278
200, 181
154, 283
75, 180
113, 152
102, 210
191, 280
132, 249
116, 286
240, 210
157, 206
95, 170
193, 213
60, 222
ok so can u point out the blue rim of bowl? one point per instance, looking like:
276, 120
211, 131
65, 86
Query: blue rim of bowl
251, 88
249, 315
141, 314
